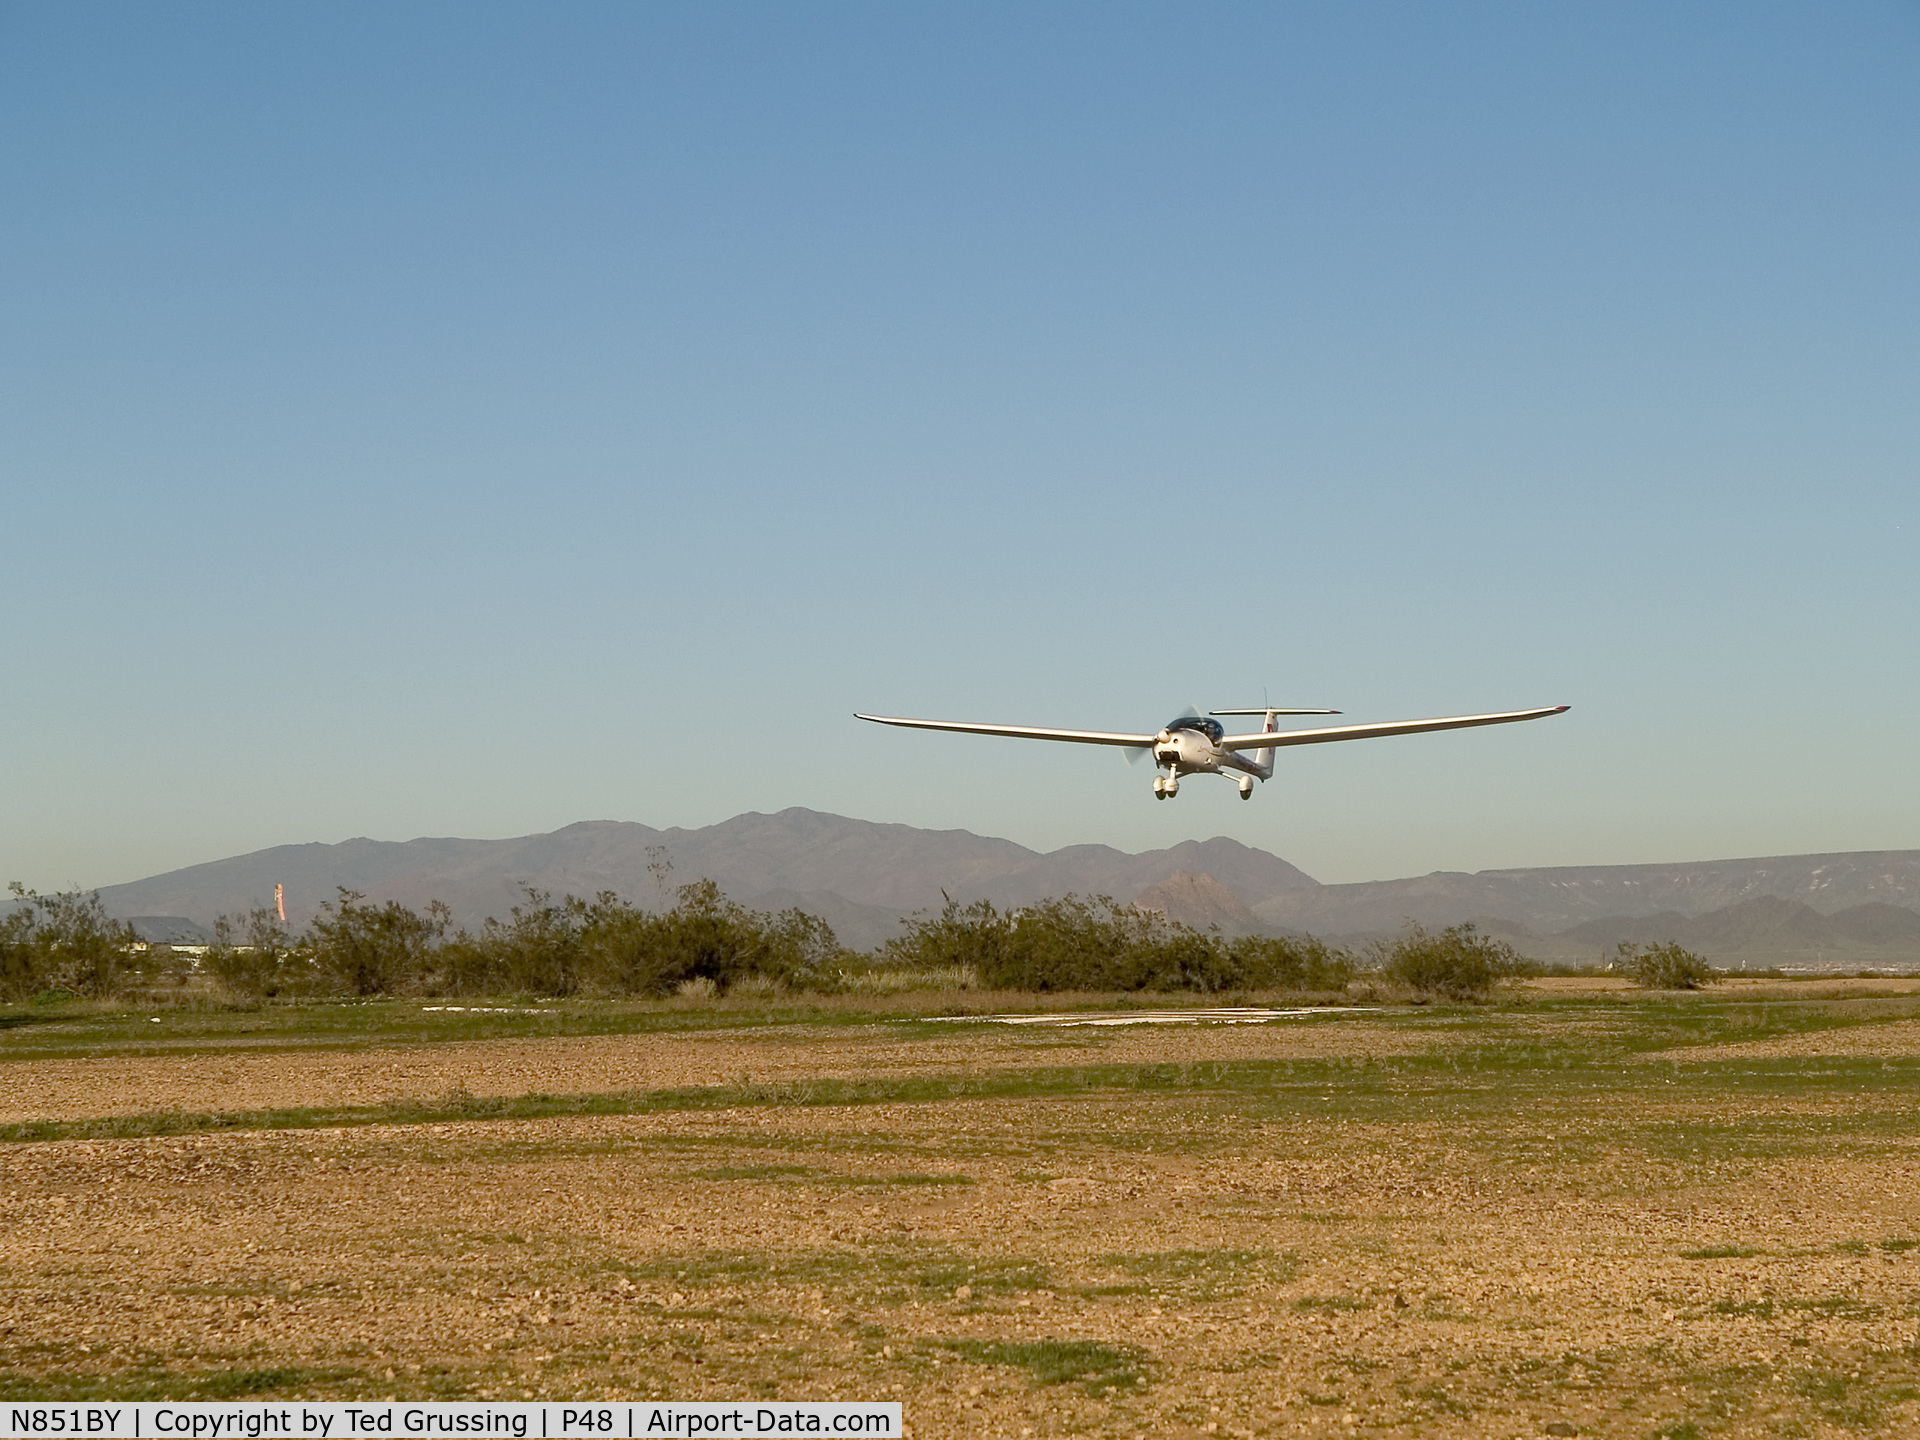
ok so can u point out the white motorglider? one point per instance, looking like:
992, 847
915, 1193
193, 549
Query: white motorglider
1200, 745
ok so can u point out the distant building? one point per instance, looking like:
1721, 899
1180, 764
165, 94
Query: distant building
175, 933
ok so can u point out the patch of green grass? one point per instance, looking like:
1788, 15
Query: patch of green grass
1098, 1368
1611, 1027
1332, 1304
1840, 1399
751, 1172
1895, 1244
1194, 1274
156, 1383
232, 1384
1722, 1252
982, 1277
200, 1023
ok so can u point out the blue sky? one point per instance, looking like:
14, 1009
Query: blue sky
466, 419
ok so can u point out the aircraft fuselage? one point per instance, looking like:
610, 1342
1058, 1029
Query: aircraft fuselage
1191, 746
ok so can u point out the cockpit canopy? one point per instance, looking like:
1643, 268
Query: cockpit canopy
1205, 724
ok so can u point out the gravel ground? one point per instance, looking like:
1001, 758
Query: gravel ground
1211, 1265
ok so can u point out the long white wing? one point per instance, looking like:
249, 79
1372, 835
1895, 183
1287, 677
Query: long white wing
1328, 733
1021, 732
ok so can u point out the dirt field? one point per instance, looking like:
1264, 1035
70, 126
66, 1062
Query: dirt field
1593, 1214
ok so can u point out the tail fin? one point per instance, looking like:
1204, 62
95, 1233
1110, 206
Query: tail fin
1265, 772
1265, 768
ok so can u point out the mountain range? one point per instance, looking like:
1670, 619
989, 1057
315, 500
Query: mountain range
863, 877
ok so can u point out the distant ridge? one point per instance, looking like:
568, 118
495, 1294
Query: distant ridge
863, 876
1763, 924
1200, 901
1555, 898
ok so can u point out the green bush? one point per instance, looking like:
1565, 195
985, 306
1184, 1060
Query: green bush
539, 949
1663, 967
544, 947
701, 942
1458, 963
260, 962
975, 937
63, 942
373, 949
1293, 962
704, 936
19, 975
1095, 943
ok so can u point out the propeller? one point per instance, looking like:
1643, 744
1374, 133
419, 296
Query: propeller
1136, 753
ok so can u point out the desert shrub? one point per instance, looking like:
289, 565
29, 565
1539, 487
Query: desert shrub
1095, 943
1292, 962
797, 949
373, 949
260, 960
1071, 943
1663, 967
1457, 963
63, 942
1169, 957
703, 936
975, 937
1077, 943
19, 975
539, 949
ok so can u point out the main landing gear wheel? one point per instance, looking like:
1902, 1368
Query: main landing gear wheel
1246, 789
